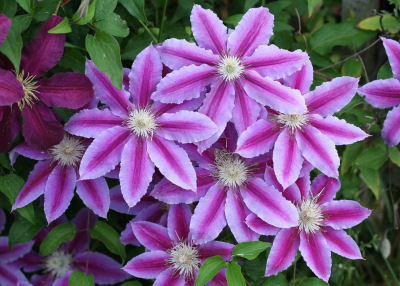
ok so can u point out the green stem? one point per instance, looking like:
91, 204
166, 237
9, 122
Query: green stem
162, 21
148, 31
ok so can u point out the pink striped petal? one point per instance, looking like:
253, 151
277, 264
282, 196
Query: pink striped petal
316, 254
270, 178
117, 201
319, 150
253, 30
153, 236
293, 194
269, 204
304, 184
214, 248
287, 158
173, 162
259, 226
169, 278
219, 279
90, 123
382, 93
128, 237
178, 222
186, 83
324, 188
338, 130
301, 79
95, 195
117, 100
10, 126
179, 53
28, 152
273, 94
147, 265
191, 105
257, 139
344, 214
5, 24
208, 219
11, 89
10, 275
35, 184
145, 75
332, 96
391, 127
283, 251
84, 221
104, 153
63, 280
208, 30
392, 48
341, 243
59, 191
136, 170
17, 251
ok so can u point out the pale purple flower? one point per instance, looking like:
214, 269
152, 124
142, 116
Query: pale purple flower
239, 66
173, 258
385, 93
5, 24
310, 135
140, 135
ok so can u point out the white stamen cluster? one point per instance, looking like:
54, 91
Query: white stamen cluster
68, 152
58, 263
142, 122
184, 259
230, 68
310, 215
292, 121
29, 86
230, 170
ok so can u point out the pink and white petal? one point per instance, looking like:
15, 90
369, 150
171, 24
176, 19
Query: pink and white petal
382, 93
28, 152
90, 123
301, 79
236, 213
153, 236
169, 278
117, 100
128, 237
344, 214
273, 94
193, 104
274, 62
104, 153
324, 188
117, 201
316, 254
178, 222
259, 226
145, 75
186, 83
136, 170
18, 250
219, 279
287, 158
10, 126
179, 53
95, 195
253, 30
304, 184
391, 127
173, 162
11, 276
392, 48
59, 191
319, 150
208, 219
11, 89
269, 204
341, 243
214, 248
283, 251
35, 184
270, 178
332, 96
63, 280
147, 265
293, 194
5, 24
208, 30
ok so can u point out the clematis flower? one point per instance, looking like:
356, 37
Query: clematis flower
385, 93
310, 135
173, 258
319, 229
138, 134
5, 24
239, 66
56, 176
31, 96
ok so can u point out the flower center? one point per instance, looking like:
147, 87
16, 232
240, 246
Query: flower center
58, 263
142, 122
68, 152
230, 170
29, 86
230, 68
184, 259
292, 121
310, 215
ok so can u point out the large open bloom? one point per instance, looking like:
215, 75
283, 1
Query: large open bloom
173, 258
140, 134
310, 135
239, 66
385, 93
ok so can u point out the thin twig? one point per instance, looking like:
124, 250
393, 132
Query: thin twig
58, 7
294, 273
162, 20
362, 63
299, 30
148, 30
322, 75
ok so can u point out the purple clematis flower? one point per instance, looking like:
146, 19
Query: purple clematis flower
311, 135
56, 176
5, 24
174, 258
31, 96
138, 134
385, 93
239, 66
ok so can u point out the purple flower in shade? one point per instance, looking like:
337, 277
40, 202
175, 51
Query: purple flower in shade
173, 258
311, 135
240, 68
56, 176
31, 96
385, 93
5, 24
138, 134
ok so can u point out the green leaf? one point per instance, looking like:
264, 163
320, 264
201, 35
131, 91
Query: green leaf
352, 67
8, 7
311, 6
22, 231
59, 234
4, 161
89, 16
371, 179
385, 71
113, 25
249, 4
132, 283
62, 28
79, 278
104, 8
45, 9
209, 269
372, 158
394, 155
107, 235
349, 156
373, 23
250, 249
312, 282
233, 20
234, 275
135, 8
104, 52
135, 45
278, 280
27, 5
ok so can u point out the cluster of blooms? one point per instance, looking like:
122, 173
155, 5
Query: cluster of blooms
230, 124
